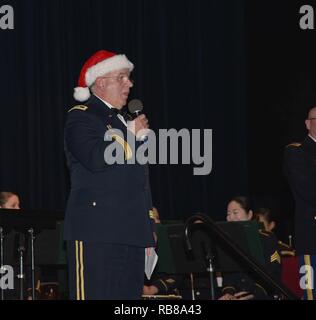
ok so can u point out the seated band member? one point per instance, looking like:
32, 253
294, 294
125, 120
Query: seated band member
264, 216
238, 209
9, 200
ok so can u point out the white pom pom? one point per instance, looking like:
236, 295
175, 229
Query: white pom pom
82, 94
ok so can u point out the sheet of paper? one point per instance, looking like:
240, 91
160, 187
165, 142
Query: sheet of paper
151, 259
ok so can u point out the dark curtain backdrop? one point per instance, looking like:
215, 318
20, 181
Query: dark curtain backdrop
190, 73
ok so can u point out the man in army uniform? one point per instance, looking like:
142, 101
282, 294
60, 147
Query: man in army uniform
107, 223
300, 170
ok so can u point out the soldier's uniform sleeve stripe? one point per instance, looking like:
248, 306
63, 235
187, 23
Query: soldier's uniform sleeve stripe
79, 107
276, 257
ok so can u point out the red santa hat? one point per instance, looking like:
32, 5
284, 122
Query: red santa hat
99, 64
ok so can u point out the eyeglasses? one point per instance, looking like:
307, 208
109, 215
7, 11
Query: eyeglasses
121, 78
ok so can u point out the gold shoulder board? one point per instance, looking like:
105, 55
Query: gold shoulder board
78, 107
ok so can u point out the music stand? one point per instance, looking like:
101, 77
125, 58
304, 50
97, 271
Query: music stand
219, 257
25, 222
208, 254
244, 234
173, 258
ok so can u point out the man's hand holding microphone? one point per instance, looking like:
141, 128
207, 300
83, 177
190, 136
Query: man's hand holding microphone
139, 125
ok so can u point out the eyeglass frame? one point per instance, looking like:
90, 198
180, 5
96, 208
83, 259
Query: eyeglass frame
120, 78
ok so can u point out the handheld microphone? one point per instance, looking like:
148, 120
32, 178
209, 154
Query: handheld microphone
135, 108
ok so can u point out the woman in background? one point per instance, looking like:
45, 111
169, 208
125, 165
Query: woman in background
10, 200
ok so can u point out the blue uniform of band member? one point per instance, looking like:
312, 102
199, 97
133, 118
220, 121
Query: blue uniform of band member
107, 223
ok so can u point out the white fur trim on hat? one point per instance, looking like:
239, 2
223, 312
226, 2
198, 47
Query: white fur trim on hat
82, 94
111, 64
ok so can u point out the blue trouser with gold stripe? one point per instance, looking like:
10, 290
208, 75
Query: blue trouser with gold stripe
307, 270
105, 271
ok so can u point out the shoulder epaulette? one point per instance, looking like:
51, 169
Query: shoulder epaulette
78, 107
294, 144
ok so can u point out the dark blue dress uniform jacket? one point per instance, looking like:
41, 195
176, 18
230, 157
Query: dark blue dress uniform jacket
107, 203
300, 169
